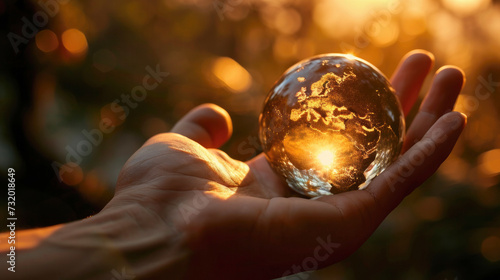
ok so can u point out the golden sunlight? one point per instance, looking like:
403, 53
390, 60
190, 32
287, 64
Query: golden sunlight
28, 238
325, 157
466, 7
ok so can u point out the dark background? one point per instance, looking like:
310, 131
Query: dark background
63, 80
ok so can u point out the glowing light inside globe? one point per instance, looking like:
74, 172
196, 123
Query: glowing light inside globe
331, 124
325, 157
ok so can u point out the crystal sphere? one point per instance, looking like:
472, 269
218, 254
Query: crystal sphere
331, 124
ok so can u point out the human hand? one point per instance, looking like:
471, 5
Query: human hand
239, 220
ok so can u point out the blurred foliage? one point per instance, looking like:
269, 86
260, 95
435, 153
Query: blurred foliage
93, 52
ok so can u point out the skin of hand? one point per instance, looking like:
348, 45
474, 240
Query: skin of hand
184, 209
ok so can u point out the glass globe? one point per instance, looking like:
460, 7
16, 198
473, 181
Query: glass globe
331, 124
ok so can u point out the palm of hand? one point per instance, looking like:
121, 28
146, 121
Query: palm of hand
241, 219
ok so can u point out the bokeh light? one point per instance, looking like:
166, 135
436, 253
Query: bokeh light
74, 41
387, 36
490, 248
46, 41
71, 174
489, 162
287, 21
232, 74
92, 186
114, 114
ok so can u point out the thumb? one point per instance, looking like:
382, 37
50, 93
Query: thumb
207, 124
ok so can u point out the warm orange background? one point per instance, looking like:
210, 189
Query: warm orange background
230, 53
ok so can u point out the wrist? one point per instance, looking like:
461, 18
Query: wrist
121, 241
131, 240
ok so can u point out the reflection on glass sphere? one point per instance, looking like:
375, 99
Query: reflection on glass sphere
331, 124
